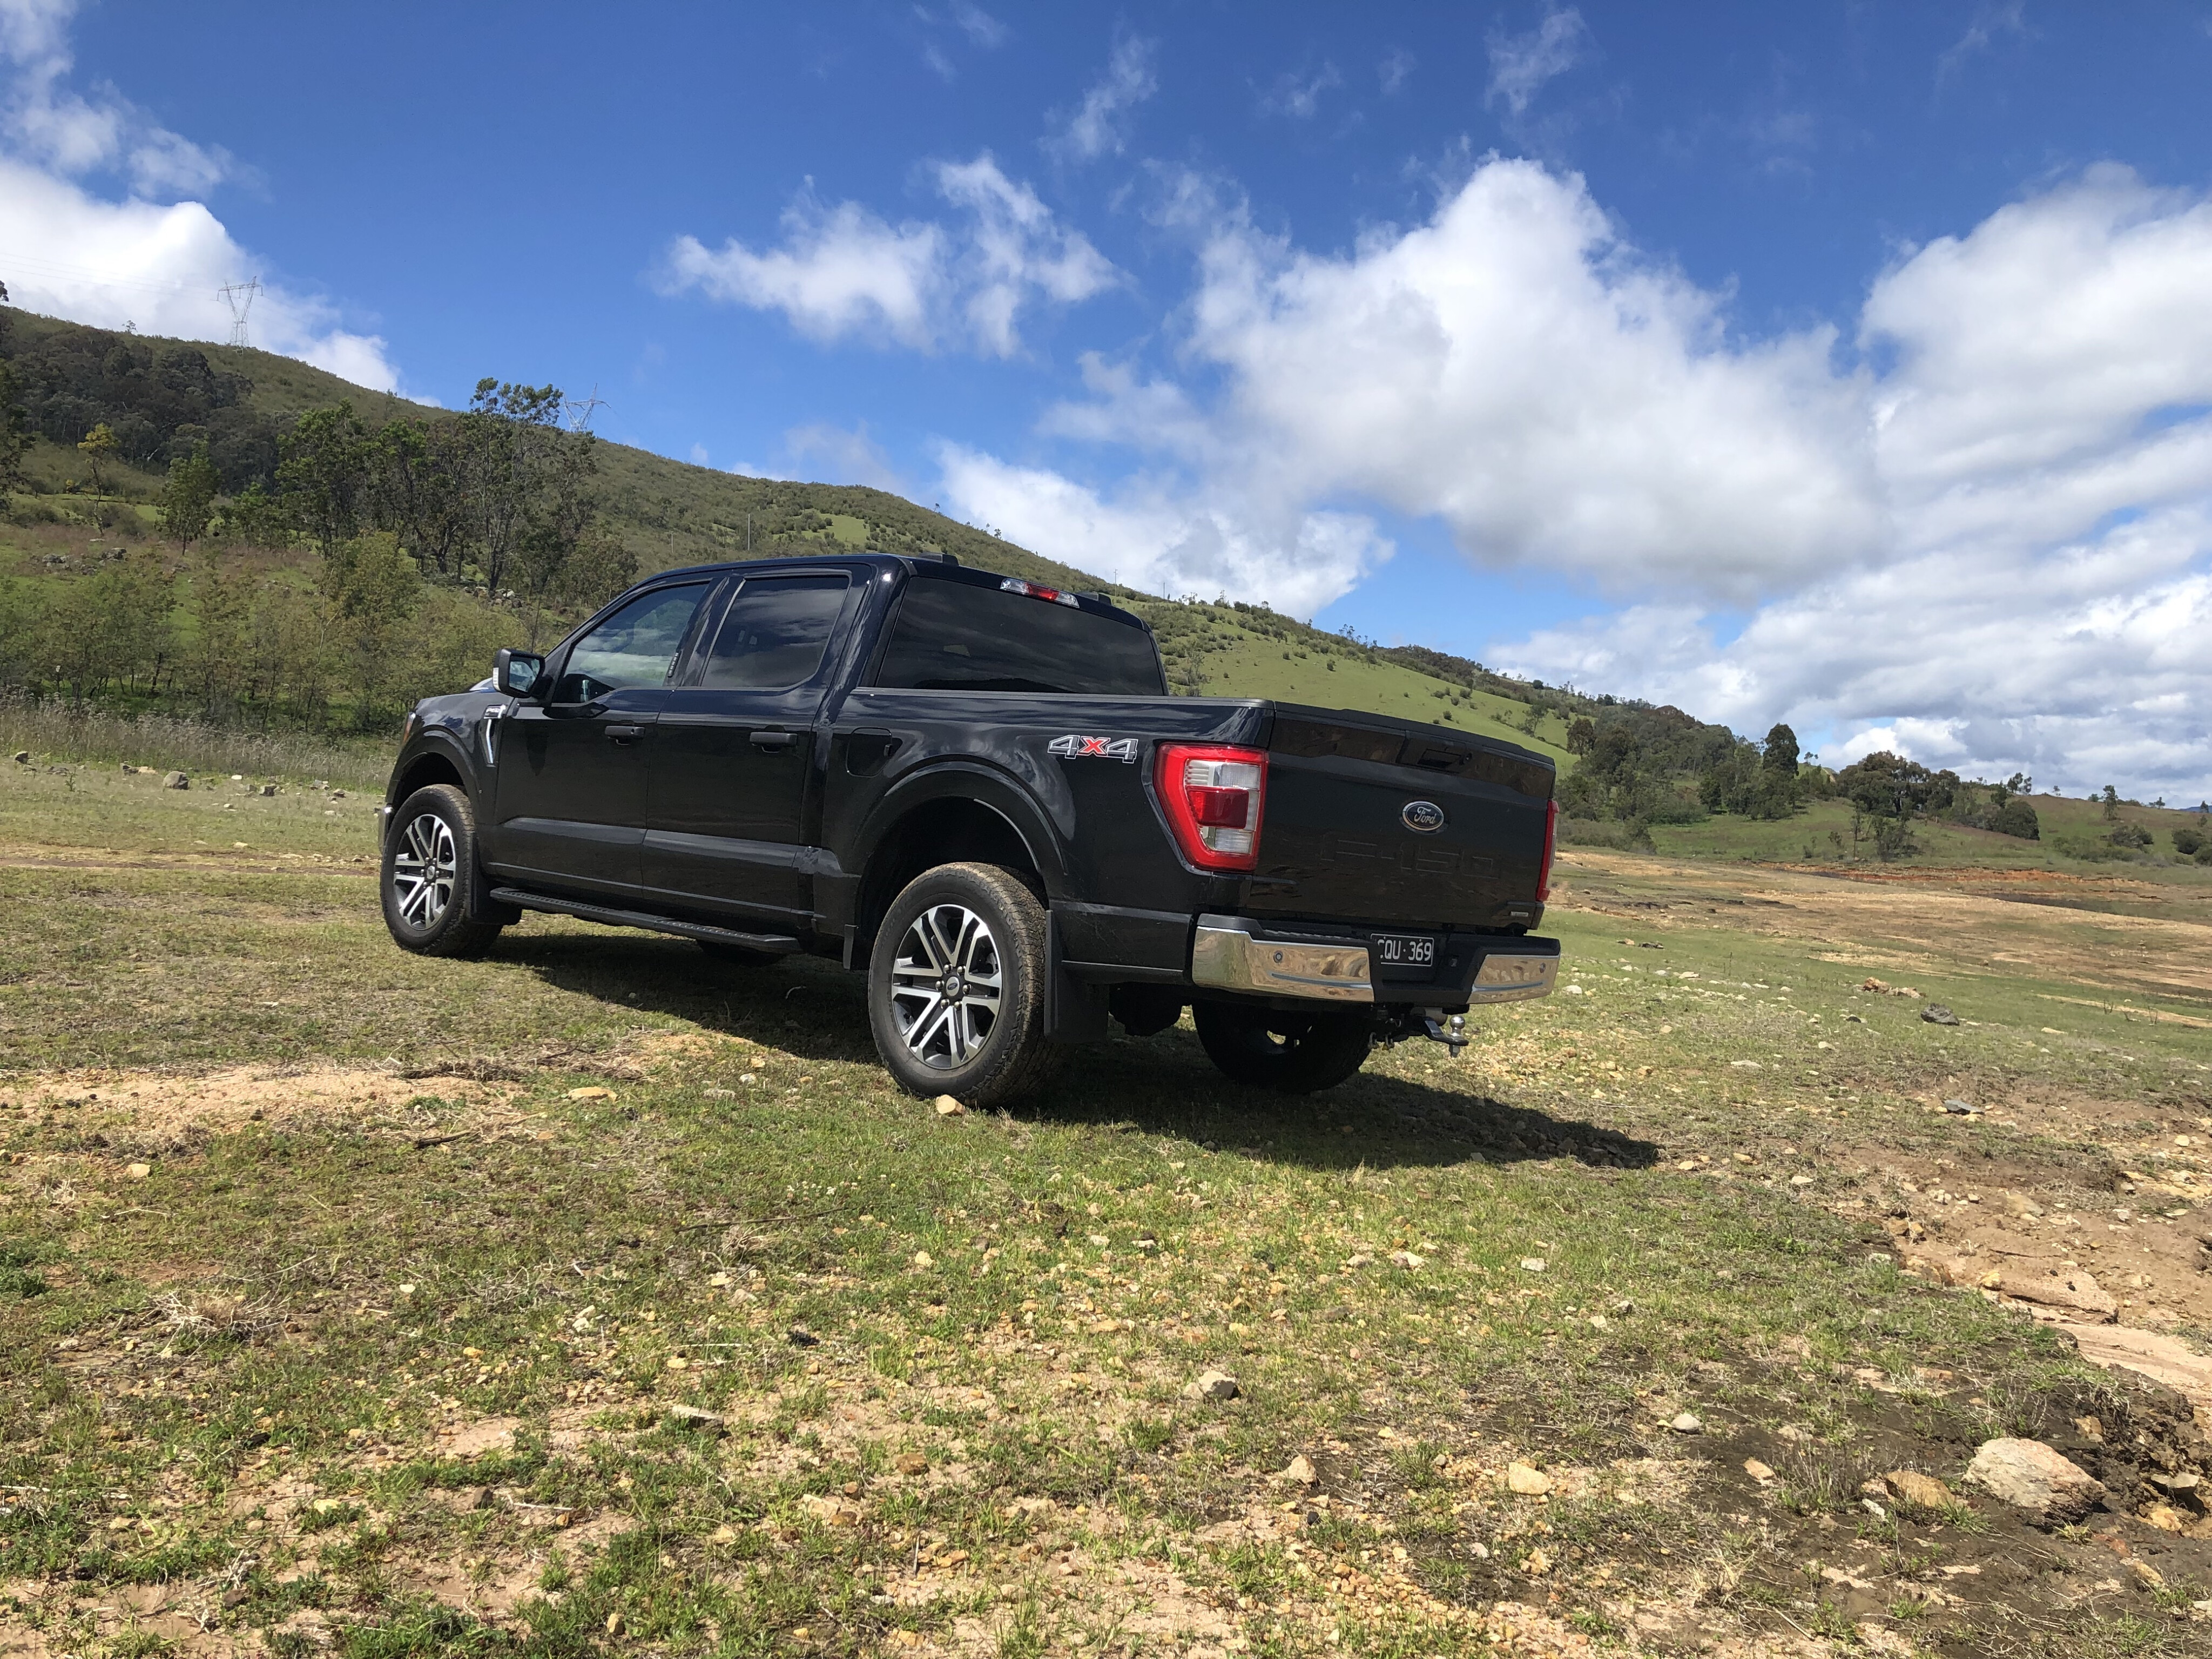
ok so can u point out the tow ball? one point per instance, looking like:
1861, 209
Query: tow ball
1434, 1023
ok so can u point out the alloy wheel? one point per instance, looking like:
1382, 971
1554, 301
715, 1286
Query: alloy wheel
423, 870
946, 986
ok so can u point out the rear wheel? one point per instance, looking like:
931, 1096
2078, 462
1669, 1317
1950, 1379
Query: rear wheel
955, 987
1295, 1054
430, 880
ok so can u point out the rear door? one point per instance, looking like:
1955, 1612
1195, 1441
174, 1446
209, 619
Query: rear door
732, 760
570, 789
1379, 821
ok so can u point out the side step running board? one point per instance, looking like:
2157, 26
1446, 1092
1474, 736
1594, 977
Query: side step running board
779, 943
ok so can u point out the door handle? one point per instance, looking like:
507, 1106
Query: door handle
774, 740
624, 735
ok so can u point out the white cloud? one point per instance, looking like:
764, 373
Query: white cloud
1513, 368
841, 271
1521, 64
844, 272
1393, 70
978, 25
831, 454
1098, 127
1298, 96
111, 263
1159, 536
76, 255
1990, 19
1989, 541
47, 122
2043, 442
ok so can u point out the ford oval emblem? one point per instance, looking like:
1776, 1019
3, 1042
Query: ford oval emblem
1423, 817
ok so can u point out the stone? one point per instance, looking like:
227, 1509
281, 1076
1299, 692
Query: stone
1686, 1423
1937, 1014
699, 1418
1531, 1264
1212, 1385
594, 1093
175, 781
799, 1337
911, 1463
2067, 1288
1406, 1259
923, 1259
139, 1171
1925, 1489
1758, 1471
1301, 1469
2030, 1476
948, 1107
22, 757
1526, 1480
1956, 1107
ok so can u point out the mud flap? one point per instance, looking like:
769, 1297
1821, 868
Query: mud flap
1074, 1012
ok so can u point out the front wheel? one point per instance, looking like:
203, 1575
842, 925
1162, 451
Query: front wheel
955, 987
430, 876
1293, 1054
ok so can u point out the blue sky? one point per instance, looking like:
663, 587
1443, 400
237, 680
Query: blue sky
1834, 364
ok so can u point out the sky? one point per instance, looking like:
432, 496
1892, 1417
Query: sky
1849, 365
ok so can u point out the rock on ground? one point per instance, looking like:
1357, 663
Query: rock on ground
2029, 1475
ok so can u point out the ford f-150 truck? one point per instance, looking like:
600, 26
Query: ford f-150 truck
977, 791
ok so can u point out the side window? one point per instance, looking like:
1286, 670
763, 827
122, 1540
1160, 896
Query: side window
774, 634
635, 646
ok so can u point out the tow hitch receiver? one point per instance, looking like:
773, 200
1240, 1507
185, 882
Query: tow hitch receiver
1434, 1023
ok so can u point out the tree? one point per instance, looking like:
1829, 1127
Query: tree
255, 517
99, 444
187, 504
16, 435
1582, 735
2112, 800
323, 471
1780, 753
370, 587
218, 607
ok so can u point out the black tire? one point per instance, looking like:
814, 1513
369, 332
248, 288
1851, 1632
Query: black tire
953, 929
431, 884
737, 956
1292, 1053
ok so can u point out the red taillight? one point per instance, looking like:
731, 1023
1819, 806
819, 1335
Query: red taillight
1551, 840
1213, 796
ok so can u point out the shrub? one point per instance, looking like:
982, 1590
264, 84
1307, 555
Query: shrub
2188, 842
2016, 818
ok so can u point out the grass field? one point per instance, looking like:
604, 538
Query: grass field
588, 1298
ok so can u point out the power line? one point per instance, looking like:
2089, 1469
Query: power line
240, 297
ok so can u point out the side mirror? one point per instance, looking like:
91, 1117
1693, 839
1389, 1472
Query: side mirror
516, 673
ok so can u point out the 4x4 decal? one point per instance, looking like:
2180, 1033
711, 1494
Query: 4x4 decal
1077, 748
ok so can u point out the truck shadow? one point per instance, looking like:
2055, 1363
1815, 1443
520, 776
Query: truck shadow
1161, 1086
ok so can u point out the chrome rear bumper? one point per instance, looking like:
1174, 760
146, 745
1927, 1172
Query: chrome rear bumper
1224, 956
1228, 954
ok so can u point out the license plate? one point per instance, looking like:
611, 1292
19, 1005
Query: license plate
1405, 951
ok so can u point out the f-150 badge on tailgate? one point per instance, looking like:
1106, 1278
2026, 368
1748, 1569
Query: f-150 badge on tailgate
1075, 748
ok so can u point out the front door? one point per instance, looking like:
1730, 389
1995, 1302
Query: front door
570, 792
733, 753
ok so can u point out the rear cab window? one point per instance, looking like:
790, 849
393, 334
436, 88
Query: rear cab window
955, 635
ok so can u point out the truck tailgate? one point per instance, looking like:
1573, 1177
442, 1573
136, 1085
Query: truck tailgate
1370, 819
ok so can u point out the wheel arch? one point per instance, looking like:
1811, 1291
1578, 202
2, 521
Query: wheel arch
433, 762
951, 815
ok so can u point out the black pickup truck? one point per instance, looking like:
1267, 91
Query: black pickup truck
977, 791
